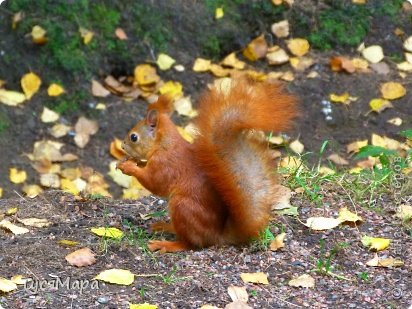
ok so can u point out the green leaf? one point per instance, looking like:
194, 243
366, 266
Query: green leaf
373, 151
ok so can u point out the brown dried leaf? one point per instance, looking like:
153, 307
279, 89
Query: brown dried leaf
82, 257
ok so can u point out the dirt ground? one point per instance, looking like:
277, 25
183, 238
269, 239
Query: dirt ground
195, 278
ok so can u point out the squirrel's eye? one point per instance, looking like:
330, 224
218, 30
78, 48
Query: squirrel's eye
134, 137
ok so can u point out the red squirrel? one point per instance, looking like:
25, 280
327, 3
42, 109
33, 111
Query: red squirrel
222, 186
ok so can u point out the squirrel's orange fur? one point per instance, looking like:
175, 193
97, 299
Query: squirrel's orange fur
221, 187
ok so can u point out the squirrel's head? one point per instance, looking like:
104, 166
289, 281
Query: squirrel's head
141, 138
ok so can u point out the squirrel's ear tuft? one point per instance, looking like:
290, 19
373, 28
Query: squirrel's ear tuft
163, 105
151, 118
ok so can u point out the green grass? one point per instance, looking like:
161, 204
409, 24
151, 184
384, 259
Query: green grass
4, 122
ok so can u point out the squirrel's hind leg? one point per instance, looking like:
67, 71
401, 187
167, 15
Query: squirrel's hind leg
162, 226
167, 246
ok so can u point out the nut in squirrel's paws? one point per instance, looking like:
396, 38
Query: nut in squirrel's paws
126, 166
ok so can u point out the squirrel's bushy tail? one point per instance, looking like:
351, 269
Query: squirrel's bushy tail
234, 156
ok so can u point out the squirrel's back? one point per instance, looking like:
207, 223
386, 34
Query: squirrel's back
235, 156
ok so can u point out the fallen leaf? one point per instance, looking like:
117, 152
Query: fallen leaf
373, 54
298, 47
59, 130
346, 215
395, 121
338, 160
87, 35
98, 90
48, 116
388, 262
19, 280
183, 107
179, 68
35, 222
7, 285
67, 243
164, 62
238, 293
142, 306
343, 98
16, 230
404, 212
233, 62
84, 128
55, 90
338, 64
16, 19
408, 44
30, 84
219, 13
116, 149
117, 175
290, 162
277, 243
82, 257
120, 34
172, 89
11, 98
355, 146
324, 170
201, 65
116, 276
38, 35
379, 105
69, 186
283, 201
17, 176
219, 71
145, 74
375, 243
11, 211
50, 180
256, 49
381, 68
404, 66
322, 223
301, 63
297, 146
304, 281
280, 29
254, 278
108, 232
1, 192
277, 57
392, 90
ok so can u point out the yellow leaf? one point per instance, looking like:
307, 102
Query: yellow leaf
16, 19
377, 140
219, 71
378, 105
408, 44
11, 98
142, 306
38, 35
324, 170
172, 89
134, 193
373, 54
305, 281
109, 232
277, 243
339, 98
48, 115
69, 186
30, 83
164, 62
202, 65
18, 279
7, 285
404, 212
298, 46
87, 35
375, 243
279, 56
145, 74
355, 146
185, 134
183, 106
36, 222
17, 176
116, 276
11, 211
256, 49
388, 262
356, 170
337, 159
32, 190
55, 90
16, 230
1, 192
254, 278
280, 29
121, 35
233, 62
219, 13
347, 216
290, 162
67, 243
392, 90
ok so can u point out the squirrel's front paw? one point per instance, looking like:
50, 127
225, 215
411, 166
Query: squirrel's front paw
167, 246
127, 167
